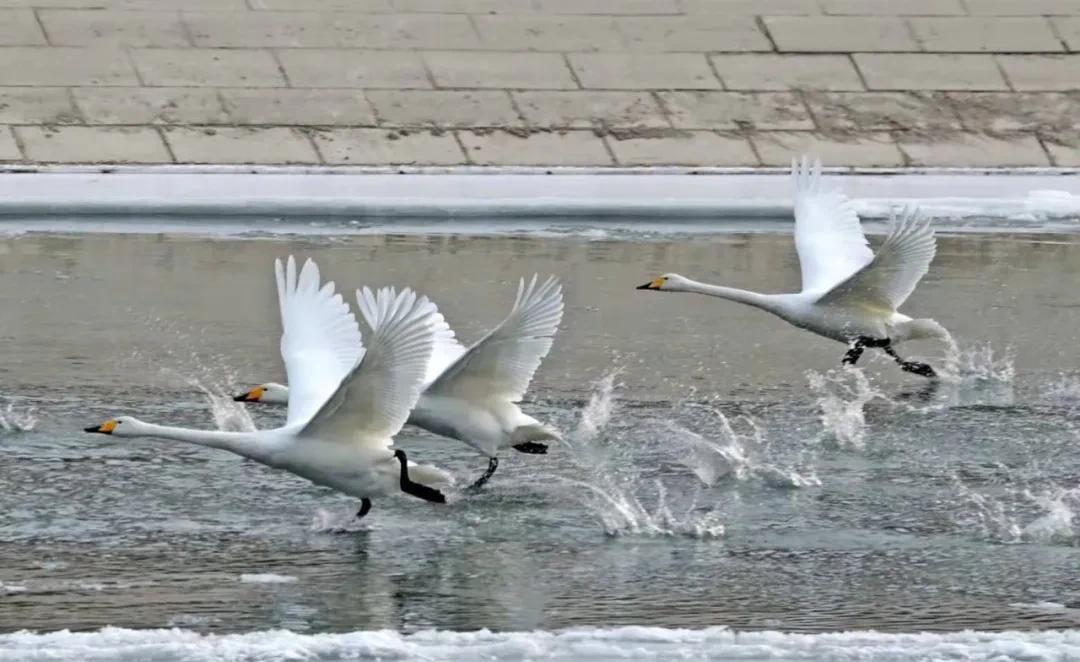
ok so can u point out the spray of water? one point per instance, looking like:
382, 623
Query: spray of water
14, 419
1021, 514
614, 490
842, 395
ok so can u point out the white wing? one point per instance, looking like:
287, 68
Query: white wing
375, 399
503, 363
828, 238
320, 339
899, 265
446, 348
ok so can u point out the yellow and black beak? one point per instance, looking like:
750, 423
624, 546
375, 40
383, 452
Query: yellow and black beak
654, 284
254, 395
105, 428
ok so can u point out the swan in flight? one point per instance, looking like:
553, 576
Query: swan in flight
848, 293
471, 394
346, 404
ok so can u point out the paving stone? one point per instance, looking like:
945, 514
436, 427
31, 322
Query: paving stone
575, 148
975, 151
9, 149
240, 145
501, 70
37, 105
285, 107
986, 34
1023, 7
697, 148
114, 28
755, 72
1041, 72
929, 71
45, 66
839, 34
149, 105
893, 7
207, 67
331, 30
608, 7
350, 68
1064, 149
388, 147
635, 71
92, 144
737, 110
581, 109
1069, 29
753, 7
997, 112
867, 149
18, 27
464, 6
693, 33
374, 6
549, 33
883, 111
446, 108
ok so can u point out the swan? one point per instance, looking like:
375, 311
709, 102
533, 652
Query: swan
848, 293
346, 404
471, 394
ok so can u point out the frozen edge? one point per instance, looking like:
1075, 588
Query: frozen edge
1025, 194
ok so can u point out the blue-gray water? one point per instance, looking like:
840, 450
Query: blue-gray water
836, 500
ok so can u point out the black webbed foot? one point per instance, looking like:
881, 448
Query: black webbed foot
531, 448
365, 508
493, 464
921, 369
417, 490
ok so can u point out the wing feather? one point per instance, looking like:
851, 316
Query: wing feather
320, 339
900, 263
374, 400
503, 363
828, 237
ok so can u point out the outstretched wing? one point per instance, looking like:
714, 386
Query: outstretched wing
828, 237
899, 265
446, 348
374, 400
503, 362
320, 339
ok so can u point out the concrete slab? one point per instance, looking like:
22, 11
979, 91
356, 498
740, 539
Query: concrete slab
776, 148
762, 111
240, 145
388, 147
92, 144
444, 108
705, 148
926, 71
640, 71
581, 148
581, 109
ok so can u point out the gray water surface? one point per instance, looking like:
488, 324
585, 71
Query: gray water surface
838, 499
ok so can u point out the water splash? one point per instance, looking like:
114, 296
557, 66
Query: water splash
842, 395
229, 415
15, 420
976, 375
1022, 514
726, 452
613, 489
342, 521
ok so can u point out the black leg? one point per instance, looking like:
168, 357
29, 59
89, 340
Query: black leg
417, 490
853, 354
921, 369
531, 448
365, 507
493, 464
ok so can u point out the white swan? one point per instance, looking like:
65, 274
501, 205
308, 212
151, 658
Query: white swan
471, 394
346, 403
848, 294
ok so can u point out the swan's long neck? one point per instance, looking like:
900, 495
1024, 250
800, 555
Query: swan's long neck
764, 301
242, 443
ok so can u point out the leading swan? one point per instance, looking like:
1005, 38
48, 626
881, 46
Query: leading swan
345, 407
848, 293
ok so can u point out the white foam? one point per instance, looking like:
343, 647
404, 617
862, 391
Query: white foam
581, 644
267, 578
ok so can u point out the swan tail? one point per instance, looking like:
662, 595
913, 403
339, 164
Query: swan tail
534, 432
924, 328
430, 475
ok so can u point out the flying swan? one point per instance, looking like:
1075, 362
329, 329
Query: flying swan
848, 293
471, 394
345, 408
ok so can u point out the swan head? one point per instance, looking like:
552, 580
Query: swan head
122, 426
270, 392
669, 282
